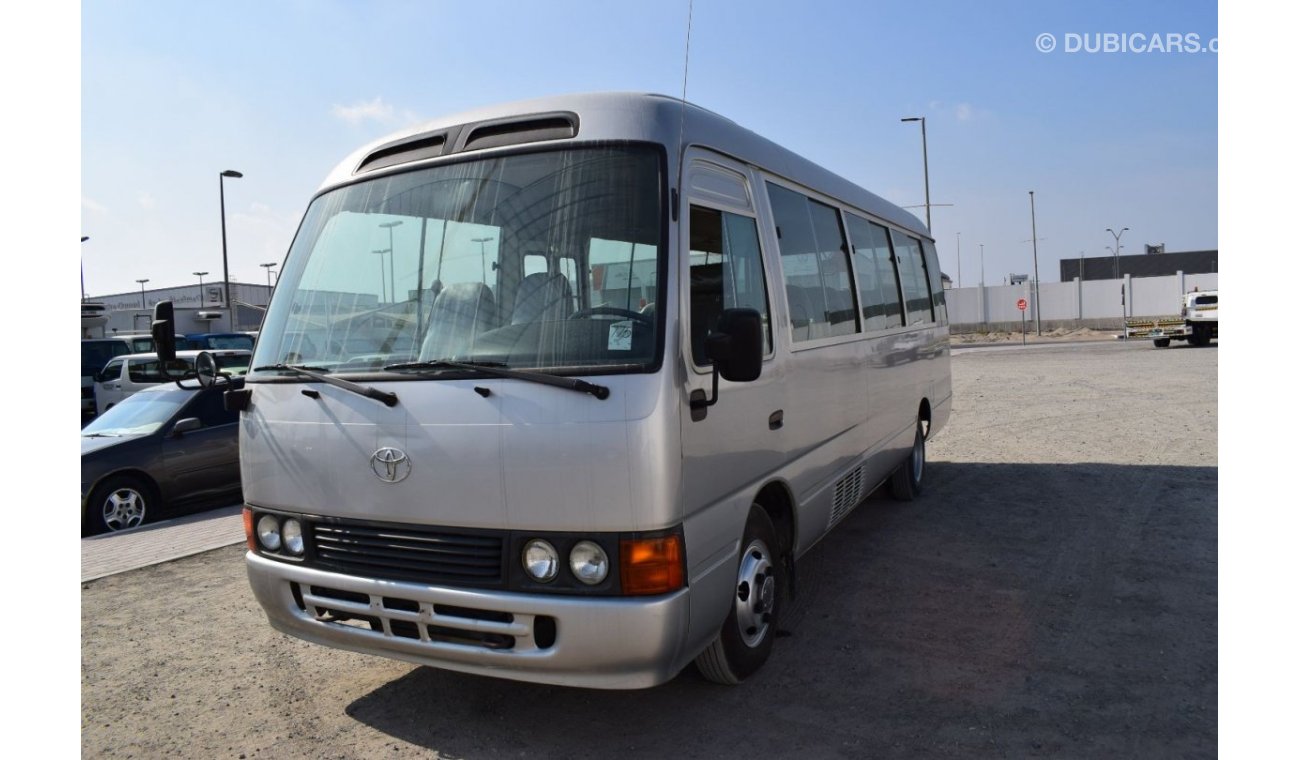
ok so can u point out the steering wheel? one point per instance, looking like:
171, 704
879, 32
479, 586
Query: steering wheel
613, 311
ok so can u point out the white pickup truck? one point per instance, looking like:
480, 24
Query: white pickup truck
1197, 324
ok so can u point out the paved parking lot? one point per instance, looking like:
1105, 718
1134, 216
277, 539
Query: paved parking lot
1052, 594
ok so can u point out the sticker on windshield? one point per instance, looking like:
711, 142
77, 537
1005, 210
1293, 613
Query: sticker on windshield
620, 336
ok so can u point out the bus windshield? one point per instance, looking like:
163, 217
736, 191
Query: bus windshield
547, 260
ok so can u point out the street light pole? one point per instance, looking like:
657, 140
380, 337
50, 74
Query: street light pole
959, 259
1033, 219
1117, 236
200, 276
482, 253
383, 293
84, 238
925, 159
267, 267
392, 283
981, 265
225, 261
142, 282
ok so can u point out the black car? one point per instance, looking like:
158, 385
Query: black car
168, 449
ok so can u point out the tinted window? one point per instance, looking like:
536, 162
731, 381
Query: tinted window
210, 408
95, 354
877, 280
936, 283
112, 371
815, 265
912, 276
726, 273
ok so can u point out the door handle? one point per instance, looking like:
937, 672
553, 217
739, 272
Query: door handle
776, 420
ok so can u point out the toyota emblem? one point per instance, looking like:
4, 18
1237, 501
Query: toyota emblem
390, 465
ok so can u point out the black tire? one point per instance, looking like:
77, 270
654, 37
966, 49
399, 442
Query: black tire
906, 482
745, 641
1161, 342
120, 502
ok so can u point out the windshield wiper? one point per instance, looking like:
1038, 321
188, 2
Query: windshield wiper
499, 370
384, 397
101, 435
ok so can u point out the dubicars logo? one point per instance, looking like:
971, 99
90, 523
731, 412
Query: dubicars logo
390, 465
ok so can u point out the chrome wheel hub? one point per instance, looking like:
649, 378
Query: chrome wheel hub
755, 593
123, 509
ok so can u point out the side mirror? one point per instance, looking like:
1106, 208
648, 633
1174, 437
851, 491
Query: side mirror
205, 366
736, 349
187, 425
164, 331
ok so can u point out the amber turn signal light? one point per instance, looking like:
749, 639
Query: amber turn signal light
649, 566
248, 530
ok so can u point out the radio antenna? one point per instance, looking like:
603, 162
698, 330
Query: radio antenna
686, 68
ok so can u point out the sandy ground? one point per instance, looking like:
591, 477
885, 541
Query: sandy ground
1053, 593
1060, 334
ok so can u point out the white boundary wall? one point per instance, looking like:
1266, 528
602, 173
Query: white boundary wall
1094, 303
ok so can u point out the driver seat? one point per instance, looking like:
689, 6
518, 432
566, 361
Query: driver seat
542, 297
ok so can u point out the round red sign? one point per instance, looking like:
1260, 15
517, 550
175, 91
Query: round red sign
1022, 304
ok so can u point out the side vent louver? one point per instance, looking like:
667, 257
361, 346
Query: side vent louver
848, 492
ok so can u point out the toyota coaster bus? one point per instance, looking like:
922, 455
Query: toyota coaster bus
560, 391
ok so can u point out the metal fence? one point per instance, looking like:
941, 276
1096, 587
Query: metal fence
1093, 303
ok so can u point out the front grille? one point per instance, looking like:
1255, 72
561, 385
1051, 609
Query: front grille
427, 622
408, 553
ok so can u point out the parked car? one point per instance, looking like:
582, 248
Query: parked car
219, 341
125, 375
168, 449
95, 353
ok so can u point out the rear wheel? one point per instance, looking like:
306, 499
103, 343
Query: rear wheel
1162, 342
119, 503
745, 641
905, 484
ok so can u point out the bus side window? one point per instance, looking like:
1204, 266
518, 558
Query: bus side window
877, 283
911, 273
815, 264
726, 273
936, 282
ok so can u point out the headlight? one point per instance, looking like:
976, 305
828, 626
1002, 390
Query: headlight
589, 562
268, 532
541, 560
293, 536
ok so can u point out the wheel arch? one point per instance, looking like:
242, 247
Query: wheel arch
129, 472
776, 499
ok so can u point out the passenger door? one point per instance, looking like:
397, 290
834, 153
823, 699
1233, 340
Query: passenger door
738, 440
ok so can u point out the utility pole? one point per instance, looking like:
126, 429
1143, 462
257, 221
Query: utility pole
1033, 220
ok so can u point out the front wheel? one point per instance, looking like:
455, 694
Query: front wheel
745, 641
905, 484
119, 503
1162, 342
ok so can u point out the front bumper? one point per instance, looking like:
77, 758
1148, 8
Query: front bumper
594, 642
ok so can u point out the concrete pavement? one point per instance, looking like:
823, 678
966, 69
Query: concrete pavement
112, 553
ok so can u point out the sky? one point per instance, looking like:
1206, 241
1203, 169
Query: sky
172, 94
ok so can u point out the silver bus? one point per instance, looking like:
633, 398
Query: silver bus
562, 390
